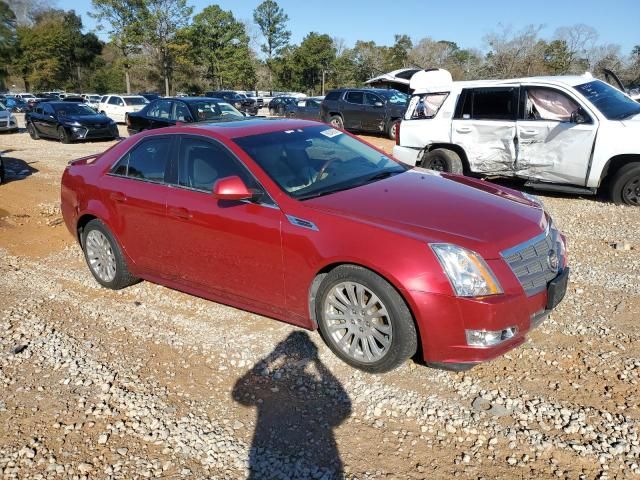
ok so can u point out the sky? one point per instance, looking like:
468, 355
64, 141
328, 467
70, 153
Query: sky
465, 22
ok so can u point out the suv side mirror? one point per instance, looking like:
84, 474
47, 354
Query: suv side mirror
378, 104
578, 116
231, 188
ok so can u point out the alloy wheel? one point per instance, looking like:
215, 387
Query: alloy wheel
100, 256
631, 191
358, 322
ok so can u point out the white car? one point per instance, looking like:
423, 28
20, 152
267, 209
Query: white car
25, 96
117, 107
572, 134
92, 100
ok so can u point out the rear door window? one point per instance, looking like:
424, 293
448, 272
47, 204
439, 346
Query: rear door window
494, 104
146, 161
355, 97
426, 105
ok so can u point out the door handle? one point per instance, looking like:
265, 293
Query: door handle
118, 197
463, 129
182, 213
528, 133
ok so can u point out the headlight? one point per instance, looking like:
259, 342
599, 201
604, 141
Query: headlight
12, 118
468, 273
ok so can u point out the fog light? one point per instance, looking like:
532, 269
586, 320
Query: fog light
489, 338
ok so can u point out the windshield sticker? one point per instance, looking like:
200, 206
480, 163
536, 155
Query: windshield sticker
330, 133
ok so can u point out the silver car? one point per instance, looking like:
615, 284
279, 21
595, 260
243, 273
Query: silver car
8, 122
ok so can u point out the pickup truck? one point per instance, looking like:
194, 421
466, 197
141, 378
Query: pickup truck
574, 134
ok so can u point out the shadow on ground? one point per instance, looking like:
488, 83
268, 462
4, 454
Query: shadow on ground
16, 169
299, 404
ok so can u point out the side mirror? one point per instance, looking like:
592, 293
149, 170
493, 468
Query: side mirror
378, 104
578, 116
231, 188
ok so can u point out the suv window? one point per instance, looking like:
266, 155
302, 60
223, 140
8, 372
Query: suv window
182, 113
355, 97
47, 109
426, 105
104, 99
491, 104
371, 99
548, 104
334, 95
147, 161
115, 101
202, 163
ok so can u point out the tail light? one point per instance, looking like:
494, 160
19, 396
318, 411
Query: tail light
398, 133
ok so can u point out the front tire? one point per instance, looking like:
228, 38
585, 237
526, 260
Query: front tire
443, 160
104, 257
625, 185
33, 133
364, 320
336, 122
63, 136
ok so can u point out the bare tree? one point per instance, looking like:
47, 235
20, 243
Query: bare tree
580, 40
26, 10
515, 53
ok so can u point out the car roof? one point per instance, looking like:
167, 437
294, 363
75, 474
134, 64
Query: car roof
245, 127
566, 80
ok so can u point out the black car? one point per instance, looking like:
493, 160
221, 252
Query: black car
68, 121
241, 102
150, 96
309, 109
278, 105
367, 110
165, 112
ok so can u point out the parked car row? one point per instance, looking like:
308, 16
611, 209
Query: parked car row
240, 101
8, 122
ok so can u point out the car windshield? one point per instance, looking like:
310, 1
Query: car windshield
609, 100
135, 100
395, 97
73, 109
94, 98
319, 160
214, 111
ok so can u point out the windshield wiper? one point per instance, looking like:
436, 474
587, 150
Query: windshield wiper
370, 179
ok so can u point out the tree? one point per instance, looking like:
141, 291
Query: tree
557, 57
398, 54
515, 54
306, 63
26, 10
7, 39
219, 43
272, 20
125, 28
162, 20
580, 41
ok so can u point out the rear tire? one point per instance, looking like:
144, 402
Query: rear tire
336, 122
443, 160
104, 257
379, 333
33, 133
392, 129
624, 188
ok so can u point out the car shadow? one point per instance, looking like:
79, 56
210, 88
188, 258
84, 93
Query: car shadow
299, 403
16, 169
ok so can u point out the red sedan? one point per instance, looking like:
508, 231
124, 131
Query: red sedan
304, 223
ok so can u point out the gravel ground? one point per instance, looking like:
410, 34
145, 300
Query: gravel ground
149, 382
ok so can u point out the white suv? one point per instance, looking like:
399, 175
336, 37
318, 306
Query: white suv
117, 107
573, 134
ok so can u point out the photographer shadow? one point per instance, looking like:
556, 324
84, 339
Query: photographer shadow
299, 403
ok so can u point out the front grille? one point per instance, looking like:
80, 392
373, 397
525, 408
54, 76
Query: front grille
529, 261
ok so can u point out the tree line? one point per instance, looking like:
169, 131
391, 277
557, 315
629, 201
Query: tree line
160, 45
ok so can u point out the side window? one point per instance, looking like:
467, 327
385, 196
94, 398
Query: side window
426, 105
182, 113
333, 96
47, 110
371, 99
161, 110
494, 104
355, 97
147, 161
202, 163
548, 104
104, 99
38, 110
113, 100
154, 110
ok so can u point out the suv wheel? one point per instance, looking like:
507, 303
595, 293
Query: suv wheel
392, 129
364, 320
33, 133
336, 122
625, 185
442, 160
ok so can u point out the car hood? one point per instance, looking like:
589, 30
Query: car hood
632, 121
4, 113
86, 119
434, 207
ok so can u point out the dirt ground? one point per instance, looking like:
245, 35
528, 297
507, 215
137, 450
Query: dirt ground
149, 382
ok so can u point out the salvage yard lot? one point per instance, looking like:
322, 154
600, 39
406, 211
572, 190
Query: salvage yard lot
150, 382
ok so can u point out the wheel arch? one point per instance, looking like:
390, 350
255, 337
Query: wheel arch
614, 164
449, 146
322, 273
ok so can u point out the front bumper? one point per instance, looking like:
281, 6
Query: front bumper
443, 320
8, 125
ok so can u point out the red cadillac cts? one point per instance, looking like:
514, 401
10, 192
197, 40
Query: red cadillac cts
304, 223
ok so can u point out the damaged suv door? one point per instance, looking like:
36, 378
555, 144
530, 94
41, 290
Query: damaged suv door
484, 125
555, 136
